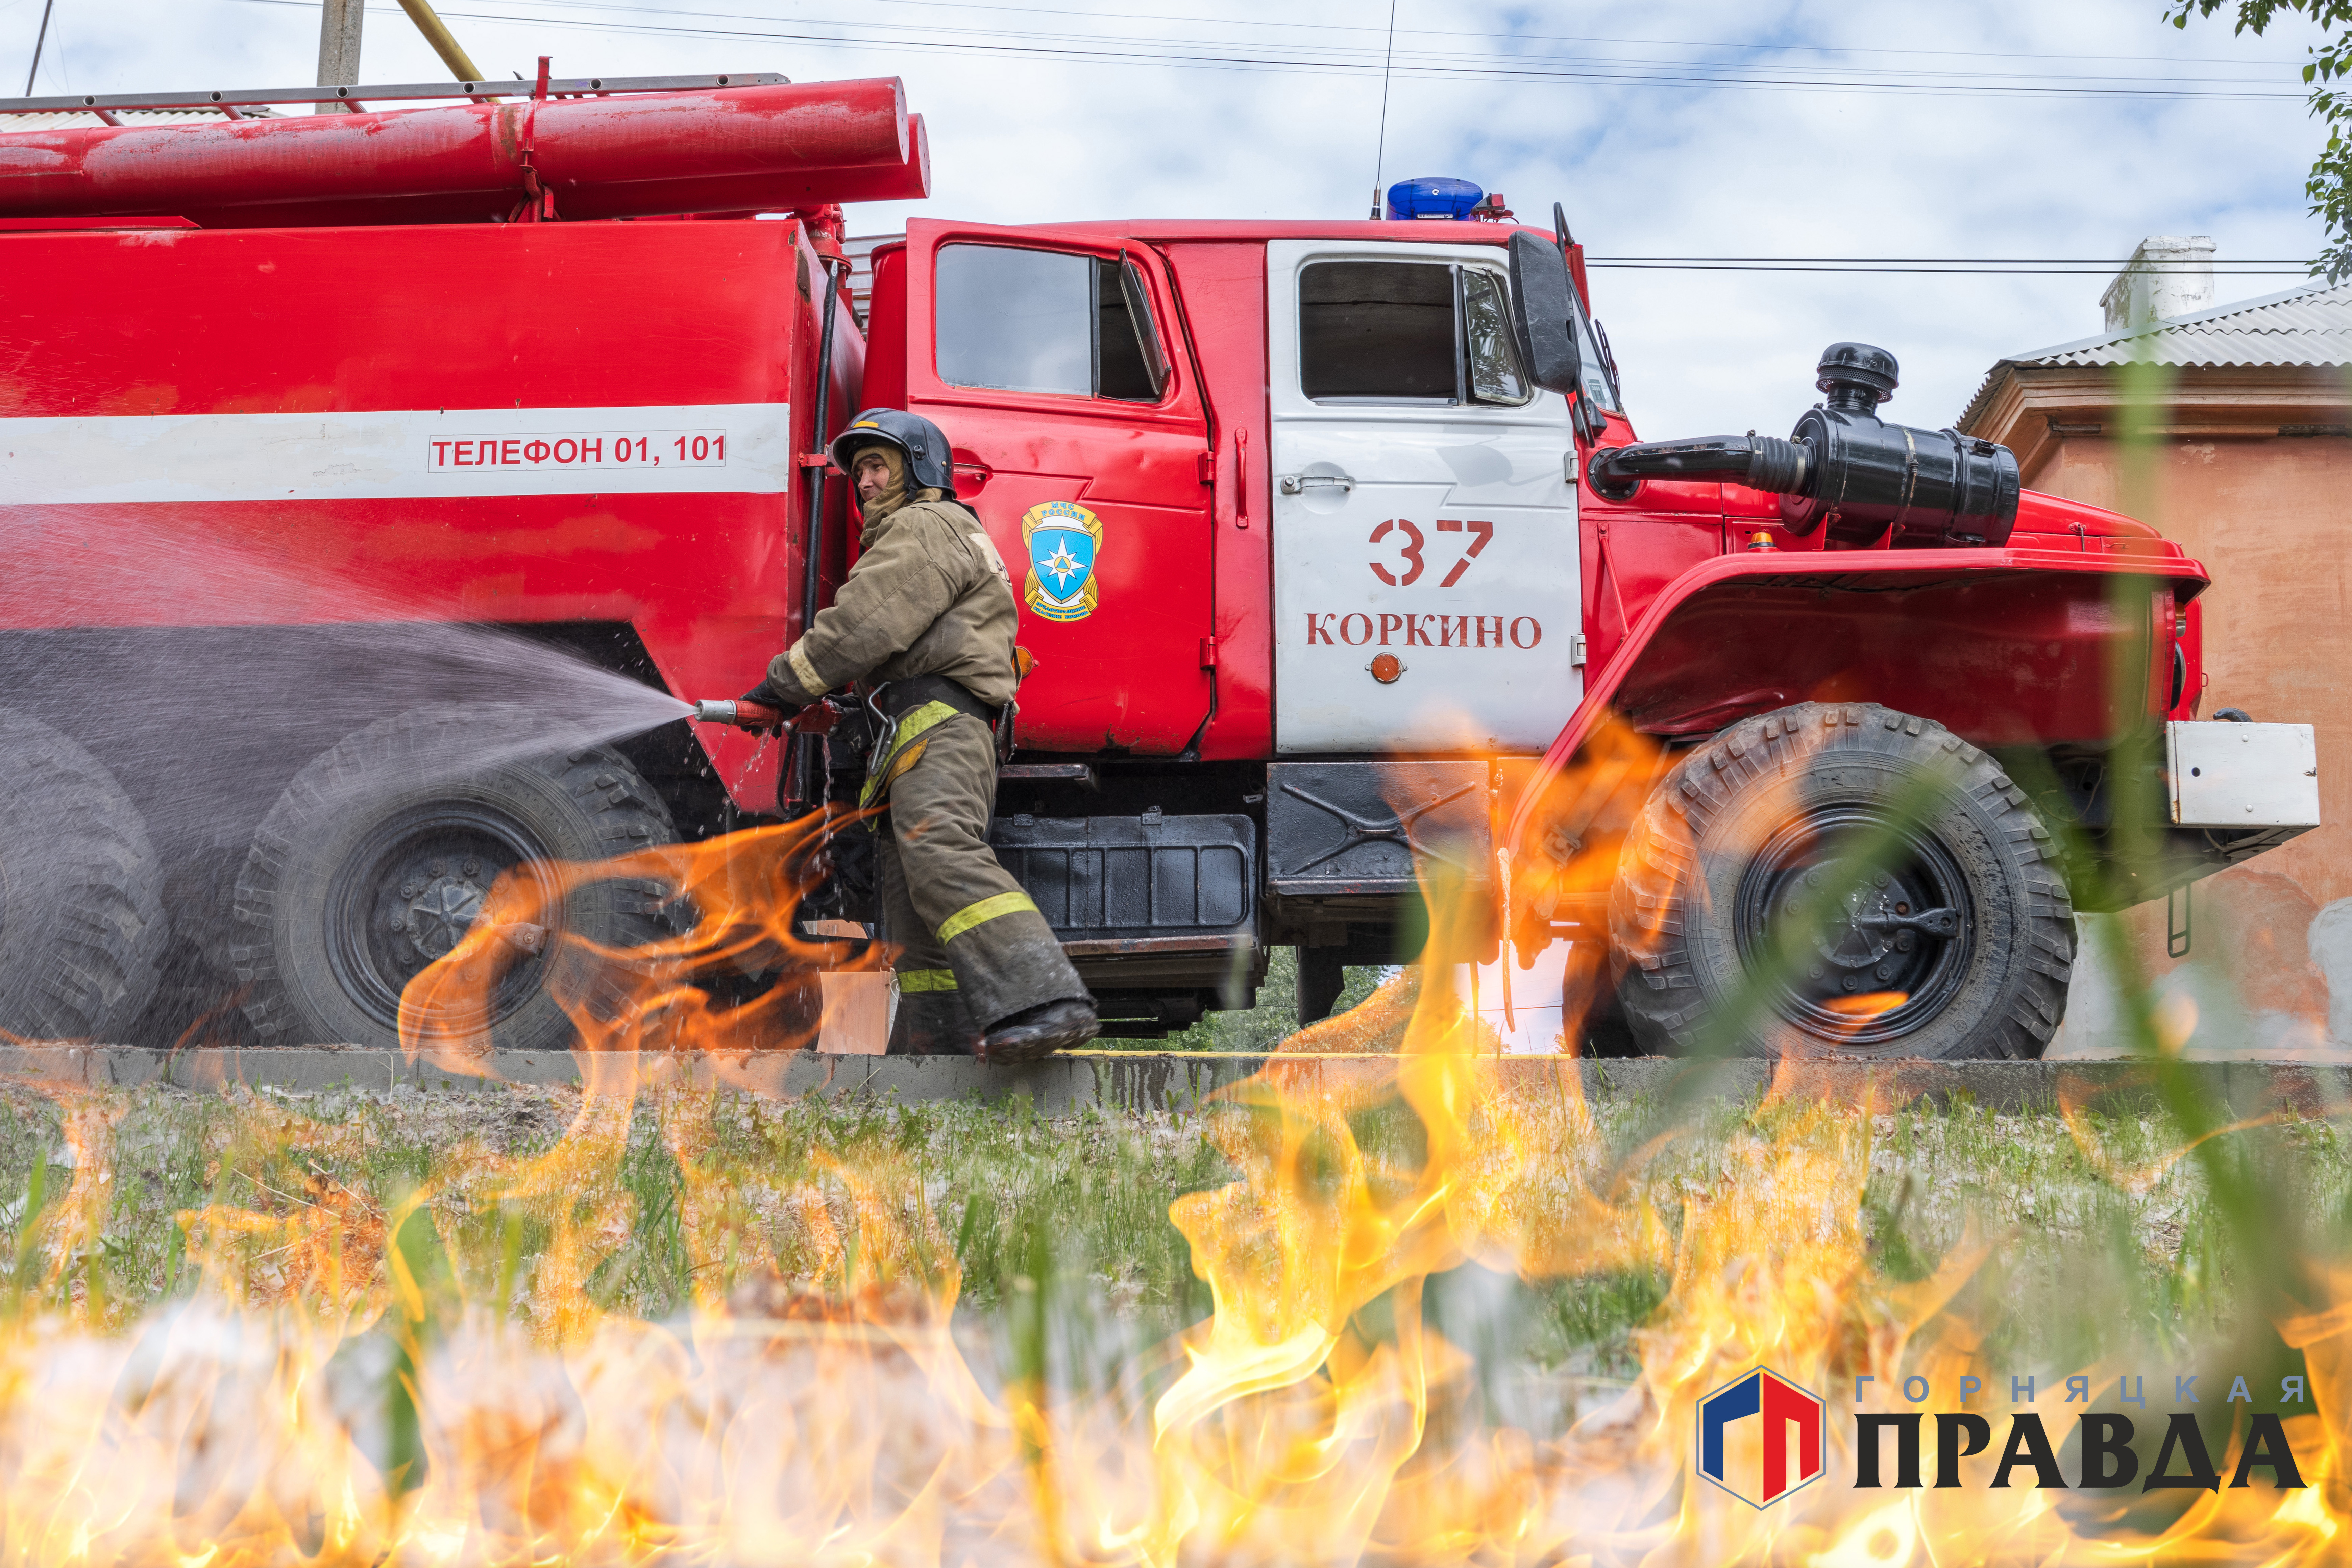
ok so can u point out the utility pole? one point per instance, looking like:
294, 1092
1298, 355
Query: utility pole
339, 48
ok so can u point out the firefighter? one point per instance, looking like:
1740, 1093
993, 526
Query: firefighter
924, 623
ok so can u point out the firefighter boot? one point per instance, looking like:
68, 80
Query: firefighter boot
963, 927
1039, 1032
931, 1022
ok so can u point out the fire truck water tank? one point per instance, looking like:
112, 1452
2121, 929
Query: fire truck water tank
769, 148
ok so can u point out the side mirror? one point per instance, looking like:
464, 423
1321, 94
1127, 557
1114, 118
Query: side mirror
1542, 313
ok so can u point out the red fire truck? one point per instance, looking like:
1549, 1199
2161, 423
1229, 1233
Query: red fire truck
327, 433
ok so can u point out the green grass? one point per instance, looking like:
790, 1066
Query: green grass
1272, 1020
1063, 1224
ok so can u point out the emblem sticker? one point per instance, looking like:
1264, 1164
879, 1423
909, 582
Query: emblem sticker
1062, 540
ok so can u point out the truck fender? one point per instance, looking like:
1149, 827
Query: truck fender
2005, 647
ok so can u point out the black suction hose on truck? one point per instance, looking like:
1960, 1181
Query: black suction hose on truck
1844, 468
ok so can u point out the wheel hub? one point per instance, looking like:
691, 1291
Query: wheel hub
1880, 960
411, 891
1868, 940
441, 909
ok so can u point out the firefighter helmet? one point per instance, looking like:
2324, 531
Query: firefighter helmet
924, 444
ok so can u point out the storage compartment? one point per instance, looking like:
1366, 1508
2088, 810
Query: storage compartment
2226, 775
1125, 879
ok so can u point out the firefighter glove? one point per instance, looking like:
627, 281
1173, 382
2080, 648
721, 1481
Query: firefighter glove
767, 694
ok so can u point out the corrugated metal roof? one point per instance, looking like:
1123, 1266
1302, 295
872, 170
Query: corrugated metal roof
2310, 325
83, 120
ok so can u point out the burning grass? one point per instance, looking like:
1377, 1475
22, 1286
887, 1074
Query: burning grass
1398, 1311
1084, 1202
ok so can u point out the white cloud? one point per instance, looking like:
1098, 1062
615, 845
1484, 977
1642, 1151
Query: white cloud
1668, 168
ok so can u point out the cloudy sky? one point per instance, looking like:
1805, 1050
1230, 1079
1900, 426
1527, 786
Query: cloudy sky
2056, 129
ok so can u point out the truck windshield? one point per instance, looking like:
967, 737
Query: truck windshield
1599, 386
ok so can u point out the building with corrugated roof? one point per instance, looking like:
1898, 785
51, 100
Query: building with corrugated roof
2230, 429
2259, 369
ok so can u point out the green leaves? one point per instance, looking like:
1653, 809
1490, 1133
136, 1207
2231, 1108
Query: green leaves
2330, 185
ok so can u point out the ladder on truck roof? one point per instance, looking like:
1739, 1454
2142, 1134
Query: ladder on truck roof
358, 97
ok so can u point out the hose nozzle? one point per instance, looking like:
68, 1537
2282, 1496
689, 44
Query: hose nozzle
742, 715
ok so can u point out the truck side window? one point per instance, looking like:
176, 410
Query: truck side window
1377, 330
1018, 320
1132, 368
1406, 332
1045, 320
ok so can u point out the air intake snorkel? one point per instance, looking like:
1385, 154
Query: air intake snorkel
1844, 469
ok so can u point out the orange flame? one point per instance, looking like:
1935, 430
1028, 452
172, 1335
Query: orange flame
337, 1393
740, 894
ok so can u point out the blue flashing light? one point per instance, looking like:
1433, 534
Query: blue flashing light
1434, 196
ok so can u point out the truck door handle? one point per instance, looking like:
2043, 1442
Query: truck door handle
1299, 484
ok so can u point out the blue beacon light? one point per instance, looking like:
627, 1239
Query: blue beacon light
1434, 196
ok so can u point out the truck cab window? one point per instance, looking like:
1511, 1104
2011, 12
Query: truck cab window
1405, 331
1045, 320
1130, 367
1377, 330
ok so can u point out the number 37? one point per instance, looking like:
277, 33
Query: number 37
1482, 533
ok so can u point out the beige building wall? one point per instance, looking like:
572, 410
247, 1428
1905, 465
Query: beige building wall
2270, 515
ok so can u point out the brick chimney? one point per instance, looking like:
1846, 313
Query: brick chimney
2168, 275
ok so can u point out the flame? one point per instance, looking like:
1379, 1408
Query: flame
333, 1388
739, 895
1863, 1006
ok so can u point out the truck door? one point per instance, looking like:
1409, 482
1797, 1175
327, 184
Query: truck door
1053, 360
1425, 584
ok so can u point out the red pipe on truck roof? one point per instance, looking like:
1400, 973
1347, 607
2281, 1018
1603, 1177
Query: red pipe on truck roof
726, 150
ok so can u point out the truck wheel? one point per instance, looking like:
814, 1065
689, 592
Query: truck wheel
377, 857
1958, 944
81, 912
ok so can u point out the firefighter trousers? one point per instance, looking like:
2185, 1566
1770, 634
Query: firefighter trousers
974, 950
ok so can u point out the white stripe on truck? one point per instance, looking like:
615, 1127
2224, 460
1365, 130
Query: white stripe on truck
412, 454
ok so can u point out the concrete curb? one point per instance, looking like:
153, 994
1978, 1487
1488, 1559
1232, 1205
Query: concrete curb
1144, 1082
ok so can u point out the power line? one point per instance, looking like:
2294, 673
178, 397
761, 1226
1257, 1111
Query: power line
2300, 269
2142, 263
1332, 63
1388, 50
1989, 260
1330, 56
1522, 38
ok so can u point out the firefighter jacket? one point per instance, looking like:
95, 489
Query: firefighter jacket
930, 596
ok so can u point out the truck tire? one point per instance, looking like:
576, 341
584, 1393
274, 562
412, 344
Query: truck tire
82, 910
1747, 824
377, 856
